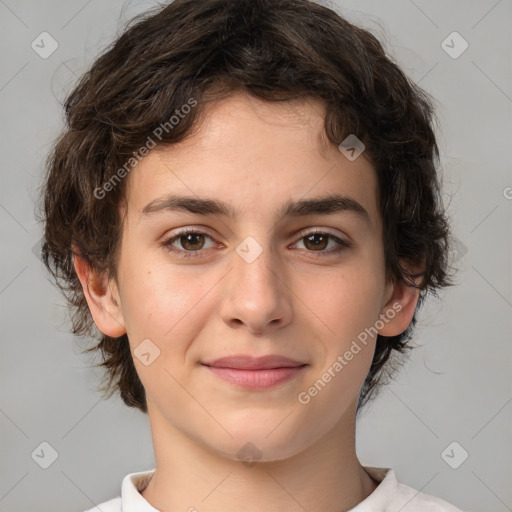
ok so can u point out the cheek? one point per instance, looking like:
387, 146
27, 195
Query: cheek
163, 306
151, 298
349, 307
349, 302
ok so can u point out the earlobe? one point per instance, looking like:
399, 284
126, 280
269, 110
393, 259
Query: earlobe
399, 310
102, 298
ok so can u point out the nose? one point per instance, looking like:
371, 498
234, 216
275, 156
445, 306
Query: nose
256, 293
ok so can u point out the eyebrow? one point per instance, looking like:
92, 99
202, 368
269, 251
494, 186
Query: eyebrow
326, 205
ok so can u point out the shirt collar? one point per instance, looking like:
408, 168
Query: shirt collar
131, 497
134, 483
383, 494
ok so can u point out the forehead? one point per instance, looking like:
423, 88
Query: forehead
254, 156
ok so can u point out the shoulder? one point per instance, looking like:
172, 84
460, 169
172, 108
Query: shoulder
113, 505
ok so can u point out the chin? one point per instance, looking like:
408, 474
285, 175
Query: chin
256, 442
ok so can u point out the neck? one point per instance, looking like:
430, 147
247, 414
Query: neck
327, 476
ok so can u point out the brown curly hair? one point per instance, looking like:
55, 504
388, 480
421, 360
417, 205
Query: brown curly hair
275, 50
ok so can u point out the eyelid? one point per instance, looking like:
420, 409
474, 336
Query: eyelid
342, 243
202, 230
185, 231
323, 231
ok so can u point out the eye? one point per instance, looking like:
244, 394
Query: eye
192, 242
318, 241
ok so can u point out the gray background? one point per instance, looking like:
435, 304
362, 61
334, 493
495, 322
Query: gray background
457, 386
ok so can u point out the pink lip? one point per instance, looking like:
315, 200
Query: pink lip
255, 373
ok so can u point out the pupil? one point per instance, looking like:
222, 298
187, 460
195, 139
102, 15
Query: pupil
316, 244
188, 238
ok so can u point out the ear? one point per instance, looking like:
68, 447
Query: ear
102, 298
397, 313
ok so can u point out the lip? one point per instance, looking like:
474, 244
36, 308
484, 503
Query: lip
255, 373
245, 362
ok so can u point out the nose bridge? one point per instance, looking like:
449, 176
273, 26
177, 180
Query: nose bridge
257, 296
255, 265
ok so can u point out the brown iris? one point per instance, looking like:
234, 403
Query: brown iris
189, 240
324, 240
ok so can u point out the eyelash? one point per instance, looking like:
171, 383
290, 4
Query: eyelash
167, 244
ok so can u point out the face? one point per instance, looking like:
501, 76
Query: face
254, 280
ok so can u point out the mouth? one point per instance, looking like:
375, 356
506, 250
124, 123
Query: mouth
255, 373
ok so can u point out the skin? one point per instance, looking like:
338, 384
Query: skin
295, 300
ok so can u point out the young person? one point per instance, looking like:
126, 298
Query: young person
245, 204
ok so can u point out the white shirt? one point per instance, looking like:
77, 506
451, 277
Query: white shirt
389, 496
